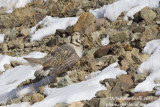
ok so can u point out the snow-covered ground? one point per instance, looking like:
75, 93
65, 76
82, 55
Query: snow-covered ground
50, 25
2, 37
10, 5
112, 11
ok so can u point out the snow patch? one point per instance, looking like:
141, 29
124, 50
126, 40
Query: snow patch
112, 11
5, 59
2, 37
105, 41
50, 25
84, 90
151, 67
10, 5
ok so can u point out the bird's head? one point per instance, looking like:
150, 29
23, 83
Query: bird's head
76, 39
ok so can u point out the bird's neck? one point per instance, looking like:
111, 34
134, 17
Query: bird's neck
77, 48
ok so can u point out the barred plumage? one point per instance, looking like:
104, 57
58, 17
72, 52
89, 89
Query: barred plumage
62, 58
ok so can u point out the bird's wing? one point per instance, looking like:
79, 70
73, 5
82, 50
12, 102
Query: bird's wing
62, 58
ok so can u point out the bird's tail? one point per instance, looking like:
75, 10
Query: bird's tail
34, 60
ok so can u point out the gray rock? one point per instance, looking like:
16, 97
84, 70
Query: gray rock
25, 31
61, 105
139, 29
68, 39
158, 11
26, 98
147, 14
103, 93
139, 78
119, 37
11, 33
36, 97
116, 91
14, 101
158, 19
7, 66
63, 81
4, 47
15, 63
104, 102
95, 102
135, 36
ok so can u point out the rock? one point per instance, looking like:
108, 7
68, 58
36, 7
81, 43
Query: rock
104, 102
103, 93
15, 63
1, 72
7, 66
41, 89
11, 33
139, 29
111, 82
125, 82
63, 81
85, 20
135, 36
149, 34
25, 31
36, 97
119, 37
116, 90
82, 75
158, 19
4, 47
61, 105
102, 51
139, 78
94, 102
158, 11
14, 101
26, 98
128, 47
68, 39
147, 14
76, 104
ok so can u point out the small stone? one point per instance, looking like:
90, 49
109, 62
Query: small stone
11, 33
139, 29
147, 14
63, 81
76, 104
25, 31
103, 93
111, 82
14, 101
95, 102
41, 89
82, 75
4, 47
15, 63
85, 20
26, 98
104, 102
61, 105
119, 37
158, 19
125, 81
102, 51
7, 66
139, 78
36, 97
116, 91
135, 36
